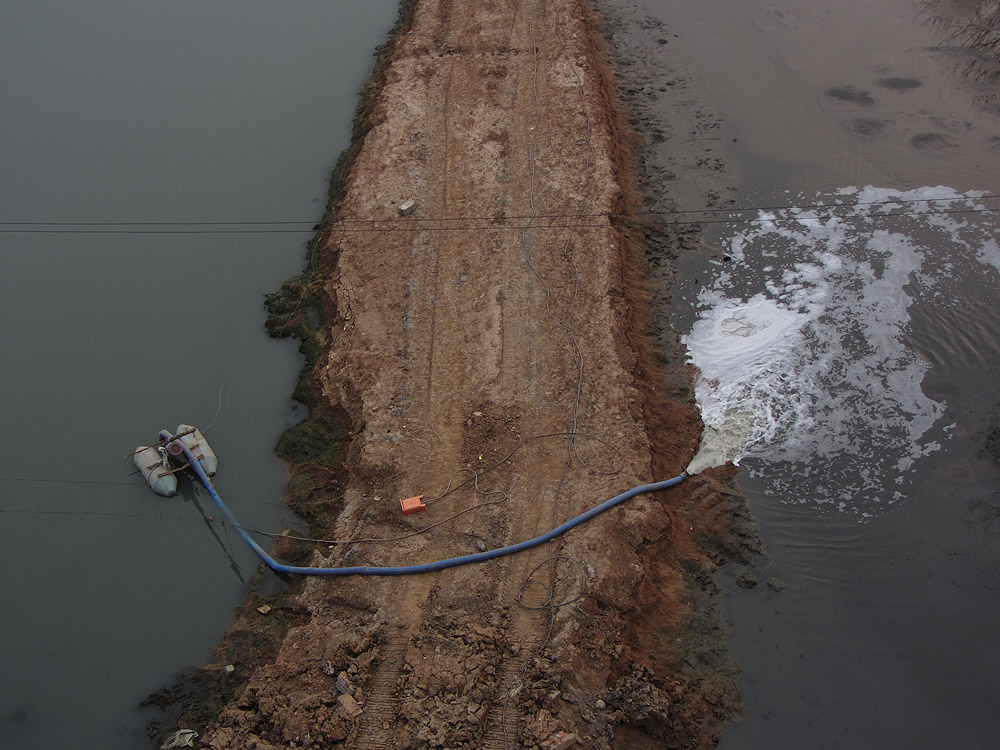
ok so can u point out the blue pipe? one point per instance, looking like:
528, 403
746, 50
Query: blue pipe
451, 562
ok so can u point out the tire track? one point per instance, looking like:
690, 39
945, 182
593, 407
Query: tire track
503, 720
382, 698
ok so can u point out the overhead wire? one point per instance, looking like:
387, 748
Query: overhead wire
5, 230
407, 222
98, 513
680, 212
504, 223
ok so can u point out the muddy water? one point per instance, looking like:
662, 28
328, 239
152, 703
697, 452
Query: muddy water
865, 432
147, 112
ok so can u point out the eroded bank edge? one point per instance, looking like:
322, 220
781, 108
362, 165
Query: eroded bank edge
313, 451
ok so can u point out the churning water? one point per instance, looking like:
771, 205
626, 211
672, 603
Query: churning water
802, 345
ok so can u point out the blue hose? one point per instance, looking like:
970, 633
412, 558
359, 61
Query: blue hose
451, 562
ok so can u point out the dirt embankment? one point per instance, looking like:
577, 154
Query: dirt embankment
493, 350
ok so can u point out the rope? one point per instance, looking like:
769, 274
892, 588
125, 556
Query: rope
218, 411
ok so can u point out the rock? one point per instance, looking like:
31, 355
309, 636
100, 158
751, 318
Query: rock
746, 581
600, 705
559, 741
338, 732
776, 584
350, 706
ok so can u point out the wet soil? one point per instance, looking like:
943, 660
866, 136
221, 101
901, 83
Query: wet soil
496, 350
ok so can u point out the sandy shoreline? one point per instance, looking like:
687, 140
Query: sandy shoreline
513, 303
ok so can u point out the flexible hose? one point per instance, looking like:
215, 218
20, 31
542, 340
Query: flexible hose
451, 562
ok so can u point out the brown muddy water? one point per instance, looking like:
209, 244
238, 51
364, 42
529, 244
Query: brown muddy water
131, 113
852, 356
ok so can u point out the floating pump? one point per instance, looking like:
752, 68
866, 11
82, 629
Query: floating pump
192, 439
159, 464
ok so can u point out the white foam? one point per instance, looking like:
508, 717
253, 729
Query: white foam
801, 340
737, 348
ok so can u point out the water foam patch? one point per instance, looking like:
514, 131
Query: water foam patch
737, 347
801, 340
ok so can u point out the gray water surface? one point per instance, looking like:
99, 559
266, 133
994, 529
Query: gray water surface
886, 634
138, 112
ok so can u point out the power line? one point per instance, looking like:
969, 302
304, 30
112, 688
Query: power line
672, 212
403, 226
151, 223
530, 225
418, 219
4, 230
443, 223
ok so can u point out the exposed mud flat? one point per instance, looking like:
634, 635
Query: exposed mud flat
494, 351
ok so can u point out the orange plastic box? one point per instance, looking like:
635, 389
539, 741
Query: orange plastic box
413, 505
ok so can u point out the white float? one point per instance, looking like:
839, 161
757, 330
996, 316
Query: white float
195, 441
155, 470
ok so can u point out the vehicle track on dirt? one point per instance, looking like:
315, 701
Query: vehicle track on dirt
382, 697
537, 272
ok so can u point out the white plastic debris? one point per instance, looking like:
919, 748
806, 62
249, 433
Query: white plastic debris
180, 738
